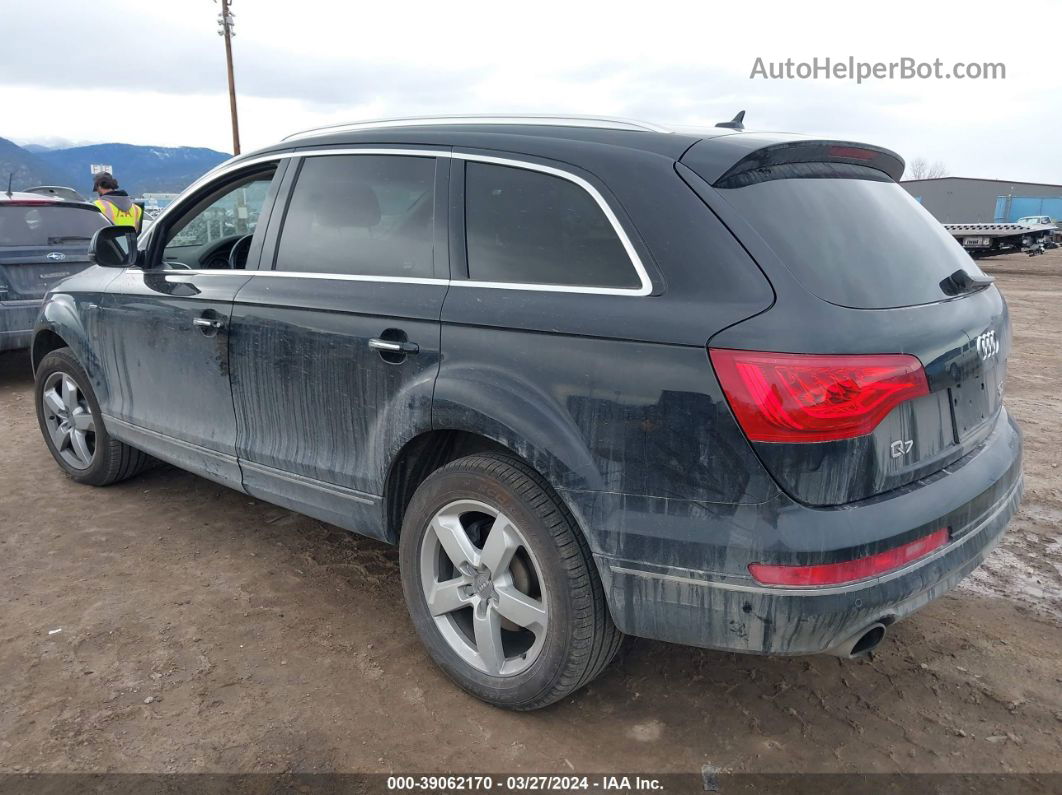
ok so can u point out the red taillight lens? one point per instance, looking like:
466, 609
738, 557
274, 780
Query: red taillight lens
796, 397
851, 570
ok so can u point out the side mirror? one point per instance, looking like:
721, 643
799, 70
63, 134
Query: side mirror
114, 247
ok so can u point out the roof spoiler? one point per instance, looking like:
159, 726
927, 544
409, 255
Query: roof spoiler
762, 164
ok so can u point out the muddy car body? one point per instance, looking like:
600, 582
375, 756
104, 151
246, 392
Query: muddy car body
593, 377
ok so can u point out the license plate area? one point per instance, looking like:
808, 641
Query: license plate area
976, 400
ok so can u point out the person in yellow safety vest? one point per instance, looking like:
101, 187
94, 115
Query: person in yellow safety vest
115, 204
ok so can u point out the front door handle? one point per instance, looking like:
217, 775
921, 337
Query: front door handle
392, 346
207, 324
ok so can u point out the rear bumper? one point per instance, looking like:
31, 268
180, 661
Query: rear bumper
731, 611
16, 323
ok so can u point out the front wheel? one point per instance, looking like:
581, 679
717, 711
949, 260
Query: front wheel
501, 586
70, 421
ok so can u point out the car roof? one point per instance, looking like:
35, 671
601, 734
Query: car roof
530, 139
532, 135
57, 191
510, 120
582, 141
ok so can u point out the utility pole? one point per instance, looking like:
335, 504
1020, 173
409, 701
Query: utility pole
226, 23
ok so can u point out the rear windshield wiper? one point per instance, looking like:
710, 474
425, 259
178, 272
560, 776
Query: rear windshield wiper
67, 238
960, 283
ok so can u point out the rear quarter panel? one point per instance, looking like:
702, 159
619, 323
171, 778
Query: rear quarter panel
612, 397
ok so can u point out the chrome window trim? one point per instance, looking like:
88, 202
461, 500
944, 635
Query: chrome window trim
354, 277
645, 288
643, 277
230, 166
190, 271
345, 277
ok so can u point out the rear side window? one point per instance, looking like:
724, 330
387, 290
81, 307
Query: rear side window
47, 225
364, 215
528, 227
863, 243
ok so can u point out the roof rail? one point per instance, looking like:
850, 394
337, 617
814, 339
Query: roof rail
601, 122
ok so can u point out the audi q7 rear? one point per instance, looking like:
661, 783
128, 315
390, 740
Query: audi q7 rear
725, 389
871, 393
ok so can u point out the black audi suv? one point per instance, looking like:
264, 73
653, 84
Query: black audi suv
728, 389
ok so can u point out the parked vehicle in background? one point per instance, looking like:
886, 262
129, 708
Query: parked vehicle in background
1035, 220
593, 377
42, 241
57, 192
1053, 237
992, 239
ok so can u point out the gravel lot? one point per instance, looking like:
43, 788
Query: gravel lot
168, 624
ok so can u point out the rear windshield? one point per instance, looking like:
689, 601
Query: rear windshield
854, 242
47, 225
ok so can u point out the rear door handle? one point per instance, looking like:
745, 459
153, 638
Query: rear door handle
391, 346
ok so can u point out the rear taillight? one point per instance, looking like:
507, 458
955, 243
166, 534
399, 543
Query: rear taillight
796, 397
849, 570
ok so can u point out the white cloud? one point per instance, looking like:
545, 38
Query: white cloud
154, 72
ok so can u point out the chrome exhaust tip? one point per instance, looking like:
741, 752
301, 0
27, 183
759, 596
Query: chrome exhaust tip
861, 643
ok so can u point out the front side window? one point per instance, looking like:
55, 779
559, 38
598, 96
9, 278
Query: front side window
205, 235
529, 227
235, 213
363, 215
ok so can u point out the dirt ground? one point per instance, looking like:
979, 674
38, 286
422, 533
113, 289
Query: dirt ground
169, 624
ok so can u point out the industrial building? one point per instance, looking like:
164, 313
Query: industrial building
958, 200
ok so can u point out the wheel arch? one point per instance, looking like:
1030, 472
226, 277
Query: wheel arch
60, 320
44, 342
429, 451
417, 459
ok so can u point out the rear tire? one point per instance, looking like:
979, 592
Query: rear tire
70, 421
501, 585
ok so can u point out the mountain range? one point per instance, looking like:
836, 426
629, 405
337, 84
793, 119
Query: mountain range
139, 169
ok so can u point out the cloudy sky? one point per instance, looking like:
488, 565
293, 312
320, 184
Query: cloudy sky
153, 72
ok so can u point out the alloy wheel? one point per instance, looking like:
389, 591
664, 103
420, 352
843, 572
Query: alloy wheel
69, 420
483, 587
